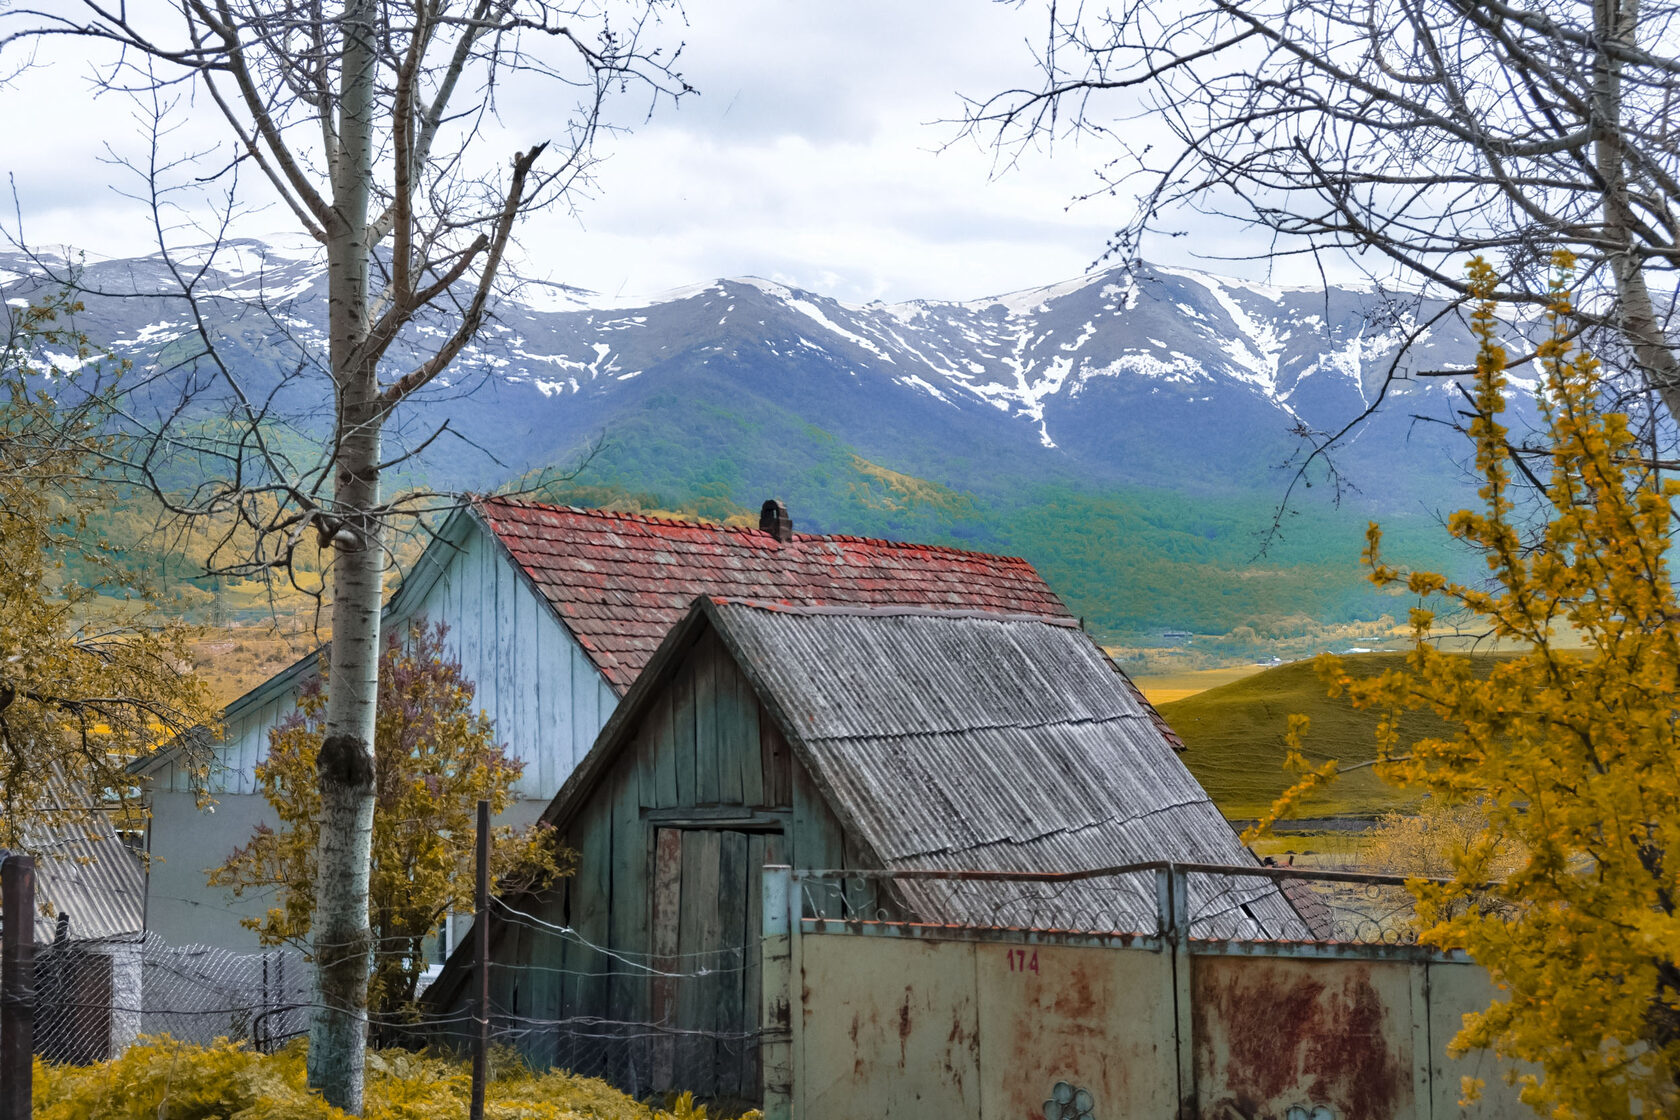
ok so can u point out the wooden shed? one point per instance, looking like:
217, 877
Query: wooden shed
822, 738
552, 613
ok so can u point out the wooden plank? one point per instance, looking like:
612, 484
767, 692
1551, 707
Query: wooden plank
666, 918
629, 989
541, 996
543, 772
748, 752
554, 951
591, 911
817, 842
696, 1064
762, 849
662, 734
705, 657
732, 1021
731, 731
642, 756
587, 715
682, 735
547, 952
506, 711
775, 761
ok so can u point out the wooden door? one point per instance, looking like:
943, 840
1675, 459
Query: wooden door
705, 939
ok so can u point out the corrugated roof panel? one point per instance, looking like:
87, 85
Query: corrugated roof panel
967, 741
84, 870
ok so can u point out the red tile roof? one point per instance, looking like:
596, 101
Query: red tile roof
620, 581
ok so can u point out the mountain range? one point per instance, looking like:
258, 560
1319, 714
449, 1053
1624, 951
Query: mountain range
1132, 431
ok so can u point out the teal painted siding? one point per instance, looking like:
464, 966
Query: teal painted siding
703, 747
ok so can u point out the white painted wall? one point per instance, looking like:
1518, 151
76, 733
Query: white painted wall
186, 842
532, 678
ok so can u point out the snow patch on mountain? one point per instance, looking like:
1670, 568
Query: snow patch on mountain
1256, 348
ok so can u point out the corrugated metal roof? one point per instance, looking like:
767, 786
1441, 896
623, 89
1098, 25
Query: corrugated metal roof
85, 871
620, 581
973, 742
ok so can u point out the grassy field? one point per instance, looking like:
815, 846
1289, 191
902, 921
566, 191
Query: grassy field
1168, 687
235, 659
1234, 734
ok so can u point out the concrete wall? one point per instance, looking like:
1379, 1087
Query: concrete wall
1009, 1026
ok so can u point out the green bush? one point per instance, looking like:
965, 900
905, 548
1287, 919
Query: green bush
161, 1079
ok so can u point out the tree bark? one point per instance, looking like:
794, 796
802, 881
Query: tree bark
343, 942
1614, 21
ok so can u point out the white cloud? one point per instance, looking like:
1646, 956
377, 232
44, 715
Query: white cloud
809, 157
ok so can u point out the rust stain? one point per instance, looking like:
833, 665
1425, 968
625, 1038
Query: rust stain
904, 1028
1267, 1032
1356, 1065
1075, 999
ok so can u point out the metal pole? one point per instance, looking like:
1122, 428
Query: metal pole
481, 934
17, 987
776, 1013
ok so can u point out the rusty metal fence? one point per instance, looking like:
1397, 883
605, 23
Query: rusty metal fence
1165, 989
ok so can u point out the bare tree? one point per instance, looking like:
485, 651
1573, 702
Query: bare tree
366, 120
1408, 134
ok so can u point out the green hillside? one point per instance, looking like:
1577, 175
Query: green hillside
1234, 738
1132, 561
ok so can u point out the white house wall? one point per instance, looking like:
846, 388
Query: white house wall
545, 696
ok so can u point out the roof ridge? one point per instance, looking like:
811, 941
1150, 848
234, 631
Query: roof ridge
893, 610
684, 523
606, 514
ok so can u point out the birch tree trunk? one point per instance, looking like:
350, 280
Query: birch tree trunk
342, 939
1615, 23
343, 111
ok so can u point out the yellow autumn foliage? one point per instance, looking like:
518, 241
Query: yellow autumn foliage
436, 756
93, 672
161, 1079
1570, 757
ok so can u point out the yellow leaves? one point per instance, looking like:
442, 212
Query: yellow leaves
226, 1081
1425, 583
435, 757
90, 679
1561, 772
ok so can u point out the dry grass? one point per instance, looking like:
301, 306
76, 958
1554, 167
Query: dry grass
234, 659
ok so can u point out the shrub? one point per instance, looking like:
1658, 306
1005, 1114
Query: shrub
161, 1079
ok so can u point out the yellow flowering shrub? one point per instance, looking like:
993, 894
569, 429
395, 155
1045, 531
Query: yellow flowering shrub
161, 1079
1570, 756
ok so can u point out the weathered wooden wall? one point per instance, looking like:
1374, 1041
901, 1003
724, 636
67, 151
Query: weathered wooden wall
670, 846
529, 674
548, 700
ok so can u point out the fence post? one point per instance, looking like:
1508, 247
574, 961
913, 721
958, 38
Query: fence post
17, 987
776, 1014
481, 974
1172, 903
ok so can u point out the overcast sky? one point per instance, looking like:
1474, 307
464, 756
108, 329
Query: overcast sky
811, 156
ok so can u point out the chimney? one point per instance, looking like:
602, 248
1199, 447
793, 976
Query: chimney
774, 519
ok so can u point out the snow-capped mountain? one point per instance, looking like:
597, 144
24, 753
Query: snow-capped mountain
1161, 376
1156, 381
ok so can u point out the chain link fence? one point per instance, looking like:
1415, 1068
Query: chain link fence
94, 997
